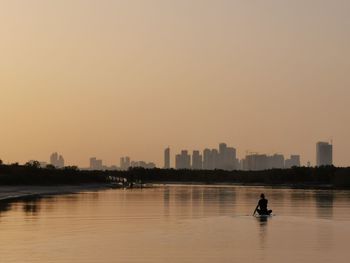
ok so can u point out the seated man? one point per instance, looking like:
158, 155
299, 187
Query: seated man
262, 206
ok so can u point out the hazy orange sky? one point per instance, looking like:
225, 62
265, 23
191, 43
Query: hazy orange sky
112, 78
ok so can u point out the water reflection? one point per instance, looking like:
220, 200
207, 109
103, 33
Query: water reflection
262, 222
5, 206
298, 198
227, 200
277, 196
166, 201
177, 224
324, 204
197, 201
31, 207
200, 201
183, 196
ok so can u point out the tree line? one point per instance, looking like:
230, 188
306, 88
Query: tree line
33, 174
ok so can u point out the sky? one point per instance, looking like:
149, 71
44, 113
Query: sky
131, 77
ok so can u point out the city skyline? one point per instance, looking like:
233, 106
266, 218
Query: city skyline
127, 78
223, 157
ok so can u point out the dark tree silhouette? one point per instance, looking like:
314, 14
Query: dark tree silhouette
31, 173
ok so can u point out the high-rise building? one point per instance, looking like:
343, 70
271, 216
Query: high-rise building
60, 161
207, 159
167, 158
57, 160
53, 159
95, 164
121, 163
276, 161
142, 164
215, 162
255, 162
125, 163
294, 160
183, 160
324, 154
230, 160
224, 158
197, 161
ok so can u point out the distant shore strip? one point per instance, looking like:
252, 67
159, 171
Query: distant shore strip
300, 177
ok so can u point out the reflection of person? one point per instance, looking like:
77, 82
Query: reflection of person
261, 208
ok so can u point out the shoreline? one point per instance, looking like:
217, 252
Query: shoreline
284, 186
14, 193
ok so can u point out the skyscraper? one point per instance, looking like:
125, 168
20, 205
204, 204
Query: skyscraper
53, 159
324, 154
256, 162
276, 161
224, 158
197, 161
125, 163
92, 163
222, 155
95, 164
167, 158
293, 161
183, 160
60, 162
207, 159
57, 160
215, 161
230, 160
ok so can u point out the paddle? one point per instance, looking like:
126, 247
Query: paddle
255, 210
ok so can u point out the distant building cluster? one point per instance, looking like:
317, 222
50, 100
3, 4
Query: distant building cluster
126, 163
256, 162
97, 165
57, 160
225, 158
143, 164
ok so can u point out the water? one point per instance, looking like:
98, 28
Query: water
178, 224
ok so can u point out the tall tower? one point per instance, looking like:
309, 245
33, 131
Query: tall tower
222, 158
167, 158
197, 161
207, 159
57, 160
183, 160
54, 159
324, 154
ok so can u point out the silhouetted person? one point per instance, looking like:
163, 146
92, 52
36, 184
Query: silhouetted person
261, 208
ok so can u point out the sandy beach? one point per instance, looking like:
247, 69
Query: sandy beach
18, 192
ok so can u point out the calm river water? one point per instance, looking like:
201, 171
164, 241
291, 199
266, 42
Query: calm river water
178, 224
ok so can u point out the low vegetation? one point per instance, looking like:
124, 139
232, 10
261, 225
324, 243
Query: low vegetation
33, 174
297, 176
